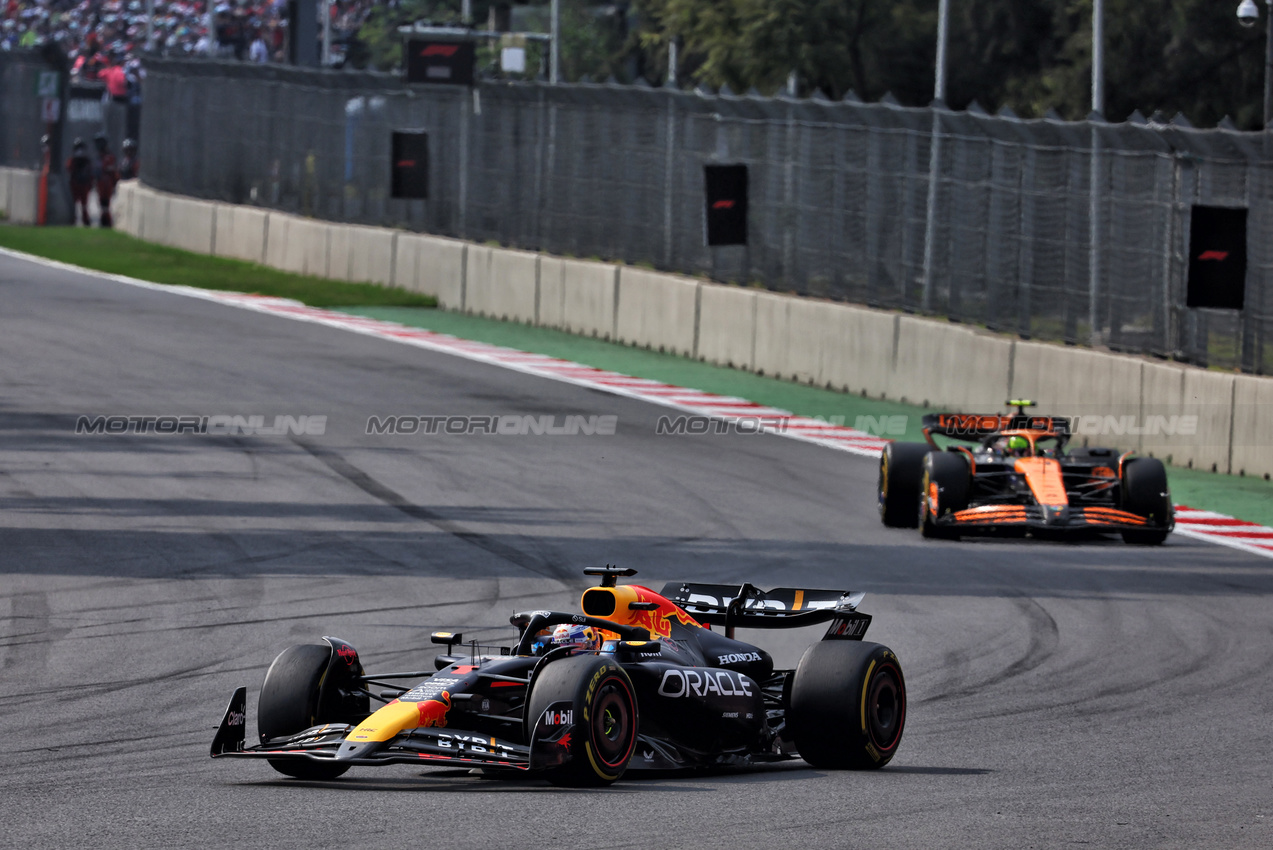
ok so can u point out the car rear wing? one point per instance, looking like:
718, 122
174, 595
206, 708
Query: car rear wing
977, 426
749, 607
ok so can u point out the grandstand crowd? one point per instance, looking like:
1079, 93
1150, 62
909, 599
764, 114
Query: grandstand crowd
104, 38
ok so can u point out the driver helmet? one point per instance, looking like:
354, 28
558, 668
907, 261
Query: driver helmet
1018, 445
583, 637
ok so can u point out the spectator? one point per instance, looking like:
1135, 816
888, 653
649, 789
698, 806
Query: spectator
116, 81
101, 34
260, 51
79, 169
107, 176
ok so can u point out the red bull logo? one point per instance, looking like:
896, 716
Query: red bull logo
433, 711
659, 620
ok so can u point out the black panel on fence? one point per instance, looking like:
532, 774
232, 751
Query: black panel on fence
410, 164
1217, 258
440, 62
726, 204
302, 21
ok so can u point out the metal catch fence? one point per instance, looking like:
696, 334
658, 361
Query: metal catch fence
1053, 230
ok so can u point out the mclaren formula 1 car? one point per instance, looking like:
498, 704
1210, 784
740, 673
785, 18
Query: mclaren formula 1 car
639, 680
1015, 473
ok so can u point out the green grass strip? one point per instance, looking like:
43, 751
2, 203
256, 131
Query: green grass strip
1250, 499
118, 253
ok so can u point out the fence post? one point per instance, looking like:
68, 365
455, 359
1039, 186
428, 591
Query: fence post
789, 218
1095, 337
930, 216
464, 103
539, 172
669, 166
1025, 261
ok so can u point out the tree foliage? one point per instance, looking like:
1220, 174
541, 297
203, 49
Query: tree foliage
1031, 55
1166, 56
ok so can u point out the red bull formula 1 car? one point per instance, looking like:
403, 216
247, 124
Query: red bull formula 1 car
639, 680
1017, 475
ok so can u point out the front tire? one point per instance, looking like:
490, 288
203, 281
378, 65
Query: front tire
606, 720
848, 705
943, 490
289, 704
1145, 493
901, 465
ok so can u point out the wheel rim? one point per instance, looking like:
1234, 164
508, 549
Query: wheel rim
883, 483
612, 723
924, 513
885, 708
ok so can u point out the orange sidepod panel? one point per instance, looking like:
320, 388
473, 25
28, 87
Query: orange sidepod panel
611, 603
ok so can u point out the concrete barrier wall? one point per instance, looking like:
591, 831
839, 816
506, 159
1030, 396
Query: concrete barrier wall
1252, 442
298, 245
853, 349
241, 233
361, 254
727, 325
658, 311
371, 254
432, 265
152, 209
126, 207
501, 284
4, 191
588, 293
22, 197
191, 225
940, 364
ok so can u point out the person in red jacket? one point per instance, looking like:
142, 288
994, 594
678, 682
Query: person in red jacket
79, 169
107, 177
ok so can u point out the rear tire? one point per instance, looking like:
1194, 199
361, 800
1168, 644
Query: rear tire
848, 705
1145, 493
948, 473
901, 465
606, 721
289, 704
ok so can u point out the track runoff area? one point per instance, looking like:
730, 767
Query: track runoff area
704, 412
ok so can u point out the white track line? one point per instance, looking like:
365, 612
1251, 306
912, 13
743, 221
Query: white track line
1202, 525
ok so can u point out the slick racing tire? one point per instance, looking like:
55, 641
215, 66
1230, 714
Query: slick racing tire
901, 465
943, 489
1144, 493
289, 704
604, 708
848, 705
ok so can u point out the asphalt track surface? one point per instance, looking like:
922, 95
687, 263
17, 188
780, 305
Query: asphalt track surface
1060, 694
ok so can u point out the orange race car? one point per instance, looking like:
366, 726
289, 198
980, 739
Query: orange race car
1015, 474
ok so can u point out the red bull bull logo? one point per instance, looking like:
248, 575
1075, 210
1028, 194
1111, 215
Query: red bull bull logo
659, 620
433, 711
